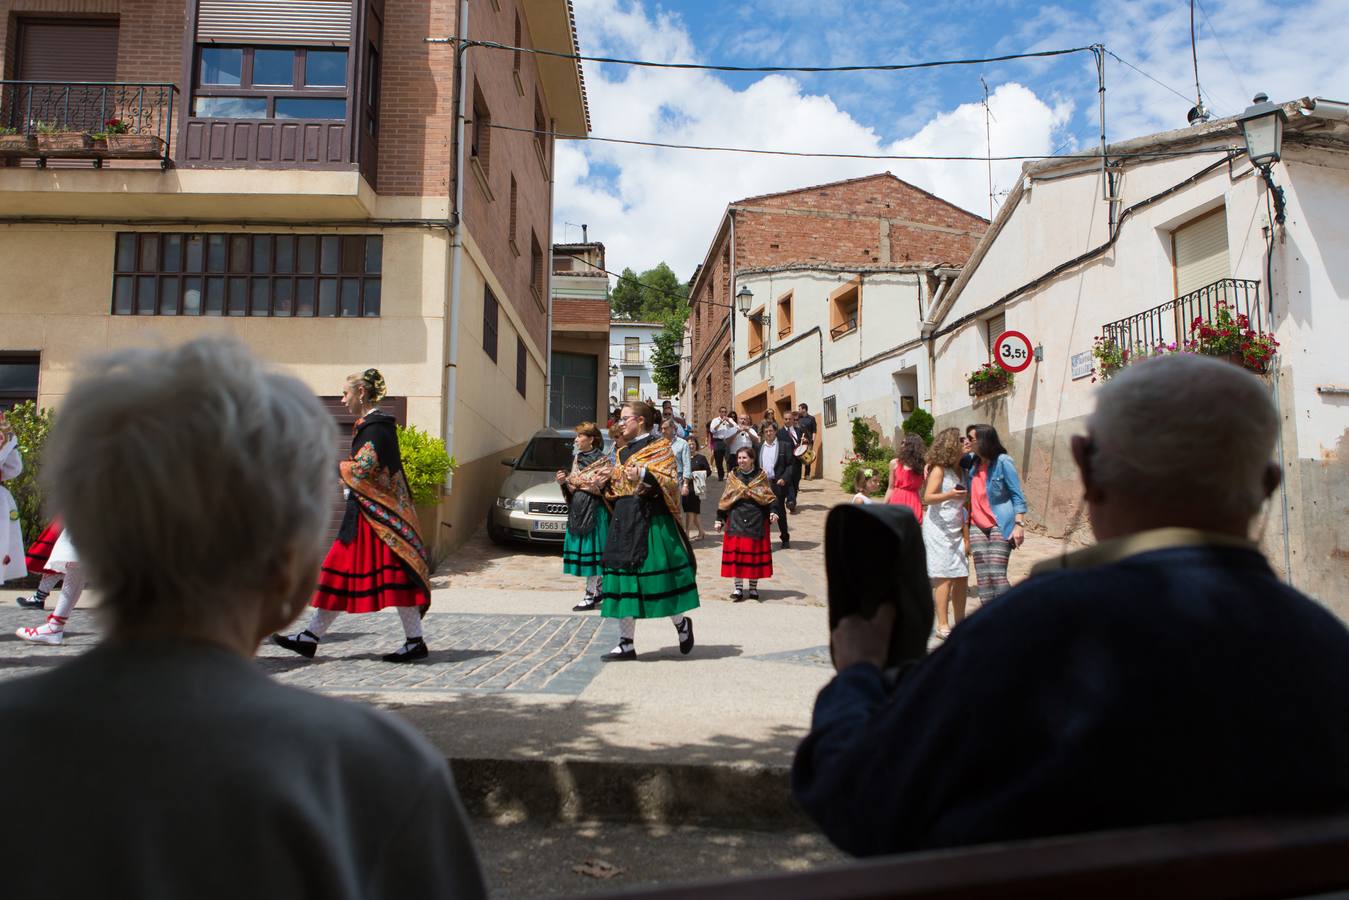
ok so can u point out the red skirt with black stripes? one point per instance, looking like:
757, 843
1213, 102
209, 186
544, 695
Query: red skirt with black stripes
746, 557
366, 576
41, 549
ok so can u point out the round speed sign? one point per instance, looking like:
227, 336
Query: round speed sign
1013, 351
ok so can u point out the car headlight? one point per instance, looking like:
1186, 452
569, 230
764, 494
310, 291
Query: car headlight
510, 503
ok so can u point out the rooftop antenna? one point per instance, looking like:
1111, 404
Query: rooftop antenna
1197, 115
988, 146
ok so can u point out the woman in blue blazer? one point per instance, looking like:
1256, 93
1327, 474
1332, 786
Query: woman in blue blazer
997, 510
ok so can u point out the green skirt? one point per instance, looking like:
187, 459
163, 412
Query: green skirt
663, 586
581, 553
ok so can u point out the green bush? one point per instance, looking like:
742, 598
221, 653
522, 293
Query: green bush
425, 463
879, 462
920, 422
31, 426
865, 441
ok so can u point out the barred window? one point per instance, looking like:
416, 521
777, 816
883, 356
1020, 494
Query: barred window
521, 372
278, 275
489, 323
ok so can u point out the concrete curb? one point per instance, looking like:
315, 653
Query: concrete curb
571, 790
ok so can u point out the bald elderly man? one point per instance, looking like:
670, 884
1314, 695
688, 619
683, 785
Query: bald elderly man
1165, 674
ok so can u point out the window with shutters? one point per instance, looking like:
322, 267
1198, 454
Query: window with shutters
845, 309
490, 312
480, 147
521, 366
67, 71
542, 139
246, 274
513, 219
993, 327
537, 275
1199, 252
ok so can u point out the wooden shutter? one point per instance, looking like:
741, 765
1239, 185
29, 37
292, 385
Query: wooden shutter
996, 326
274, 21
68, 51
1200, 252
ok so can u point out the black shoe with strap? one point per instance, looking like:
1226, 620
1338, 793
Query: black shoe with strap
754, 593
413, 649
296, 645
624, 652
33, 602
737, 595
591, 601
685, 630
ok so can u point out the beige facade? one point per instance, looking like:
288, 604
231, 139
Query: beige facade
446, 241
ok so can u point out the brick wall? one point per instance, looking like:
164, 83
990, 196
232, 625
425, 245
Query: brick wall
417, 97
580, 315
512, 155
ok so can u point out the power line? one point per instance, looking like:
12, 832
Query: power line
1231, 65
649, 287
651, 64
901, 157
1118, 58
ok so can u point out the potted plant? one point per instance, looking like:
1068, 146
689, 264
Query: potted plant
987, 379
54, 138
1230, 336
13, 143
122, 142
425, 465
1110, 357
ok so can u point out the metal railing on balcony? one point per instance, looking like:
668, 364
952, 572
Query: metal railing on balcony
848, 325
1171, 322
94, 121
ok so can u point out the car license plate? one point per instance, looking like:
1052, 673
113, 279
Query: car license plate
540, 525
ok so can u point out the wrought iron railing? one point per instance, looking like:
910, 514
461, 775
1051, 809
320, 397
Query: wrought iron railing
849, 324
1171, 322
86, 120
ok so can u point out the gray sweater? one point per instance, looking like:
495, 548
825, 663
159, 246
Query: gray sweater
164, 770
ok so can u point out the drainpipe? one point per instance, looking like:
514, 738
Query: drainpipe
451, 380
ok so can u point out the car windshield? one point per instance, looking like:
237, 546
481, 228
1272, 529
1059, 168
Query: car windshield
546, 454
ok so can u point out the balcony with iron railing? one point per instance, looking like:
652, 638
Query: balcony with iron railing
94, 121
1171, 323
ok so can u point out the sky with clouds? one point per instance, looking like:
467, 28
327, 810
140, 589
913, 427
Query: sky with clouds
647, 205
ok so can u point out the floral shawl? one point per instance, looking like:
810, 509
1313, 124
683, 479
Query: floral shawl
757, 489
380, 490
658, 458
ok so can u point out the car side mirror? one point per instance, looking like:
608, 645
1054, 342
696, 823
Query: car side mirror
510, 463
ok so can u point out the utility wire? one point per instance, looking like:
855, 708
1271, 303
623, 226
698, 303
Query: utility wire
1231, 65
1161, 154
651, 64
1120, 59
639, 282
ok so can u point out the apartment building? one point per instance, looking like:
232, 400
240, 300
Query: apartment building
580, 348
298, 175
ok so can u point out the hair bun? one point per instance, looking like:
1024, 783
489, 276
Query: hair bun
375, 382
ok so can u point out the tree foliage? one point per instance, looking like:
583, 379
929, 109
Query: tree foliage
656, 295
31, 426
425, 463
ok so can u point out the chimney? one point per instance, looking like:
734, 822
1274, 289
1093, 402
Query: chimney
585, 239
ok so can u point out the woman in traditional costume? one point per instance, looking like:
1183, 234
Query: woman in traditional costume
745, 512
379, 559
649, 570
38, 553
587, 516
11, 530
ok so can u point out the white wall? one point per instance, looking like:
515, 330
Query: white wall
645, 334
818, 365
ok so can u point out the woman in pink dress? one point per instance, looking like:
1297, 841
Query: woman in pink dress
906, 475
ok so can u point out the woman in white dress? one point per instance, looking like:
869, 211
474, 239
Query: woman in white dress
944, 529
11, 532
66, 563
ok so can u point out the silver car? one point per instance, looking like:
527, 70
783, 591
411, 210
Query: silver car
530, 505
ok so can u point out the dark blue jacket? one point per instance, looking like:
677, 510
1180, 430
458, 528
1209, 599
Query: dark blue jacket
1170, 685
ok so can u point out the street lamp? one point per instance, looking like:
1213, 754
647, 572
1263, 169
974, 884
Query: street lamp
743, 299
1262, 127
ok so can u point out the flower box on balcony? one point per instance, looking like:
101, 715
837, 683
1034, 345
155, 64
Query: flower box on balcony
16, 145
135, 146
52, 143
988, 379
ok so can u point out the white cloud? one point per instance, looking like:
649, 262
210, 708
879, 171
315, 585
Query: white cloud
649, 205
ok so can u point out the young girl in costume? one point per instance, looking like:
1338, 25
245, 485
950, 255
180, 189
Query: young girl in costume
64, 565
38, 553
379, 559
867, 484
745, 512
587, 516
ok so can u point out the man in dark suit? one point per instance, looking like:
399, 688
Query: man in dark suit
806, 422
775, 460
791, 437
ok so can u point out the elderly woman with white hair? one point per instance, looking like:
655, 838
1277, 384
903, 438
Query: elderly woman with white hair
1166, 674
196, 485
